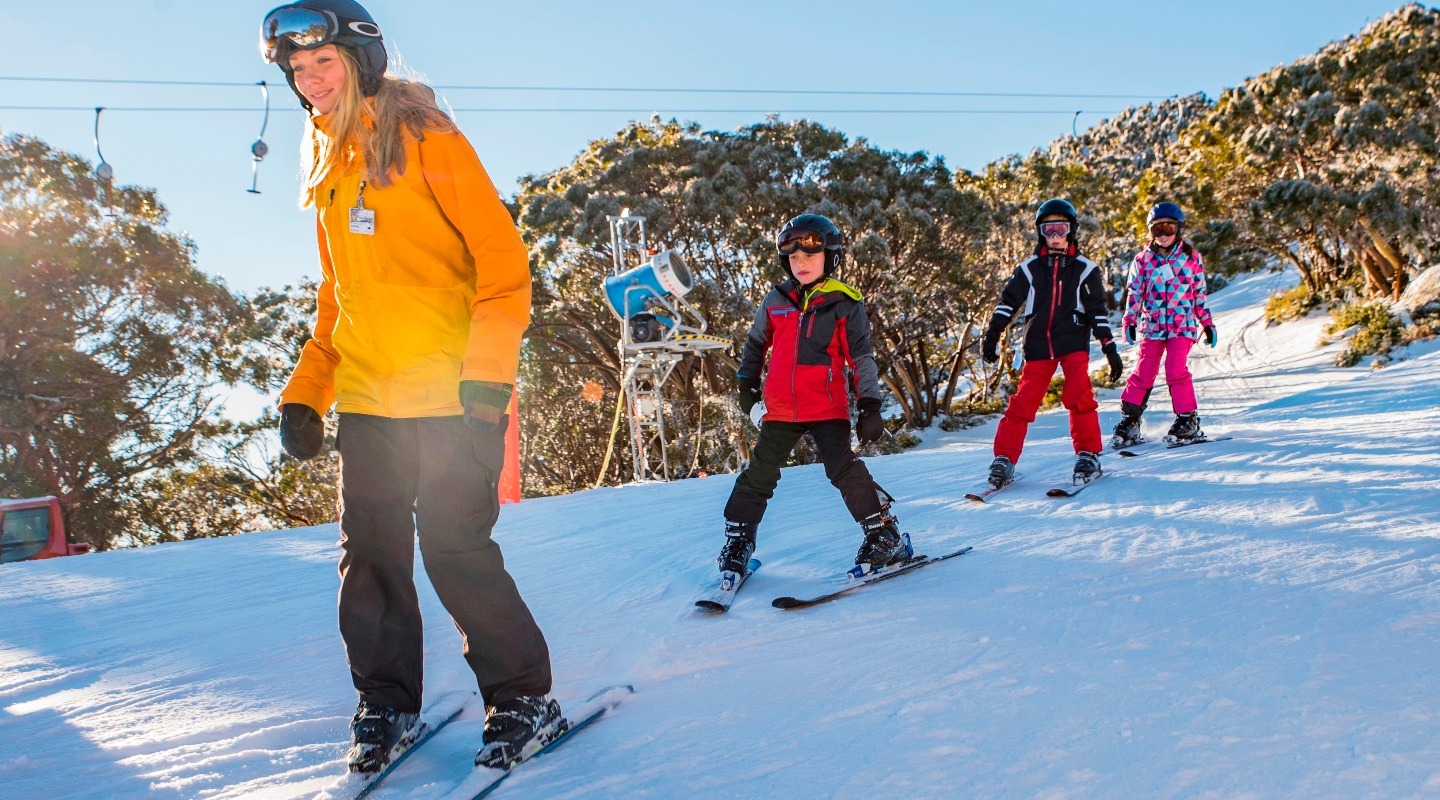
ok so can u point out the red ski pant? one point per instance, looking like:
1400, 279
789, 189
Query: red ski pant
1174, 353
1077, 396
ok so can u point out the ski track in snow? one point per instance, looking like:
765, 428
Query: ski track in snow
1251, 618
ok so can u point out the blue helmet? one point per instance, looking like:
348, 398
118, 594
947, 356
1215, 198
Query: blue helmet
1165, 211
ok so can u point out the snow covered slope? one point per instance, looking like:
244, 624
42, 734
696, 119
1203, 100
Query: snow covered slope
1254, 618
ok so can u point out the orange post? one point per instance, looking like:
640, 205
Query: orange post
510, 473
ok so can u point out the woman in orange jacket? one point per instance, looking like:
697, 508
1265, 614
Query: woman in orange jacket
424, 297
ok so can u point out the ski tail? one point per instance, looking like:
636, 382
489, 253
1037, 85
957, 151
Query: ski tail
441, 712
484, 781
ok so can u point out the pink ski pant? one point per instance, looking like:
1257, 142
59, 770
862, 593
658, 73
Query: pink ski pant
1174, 352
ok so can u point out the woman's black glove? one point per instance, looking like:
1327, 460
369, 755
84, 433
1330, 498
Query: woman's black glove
869, 427
485, 404
302, 431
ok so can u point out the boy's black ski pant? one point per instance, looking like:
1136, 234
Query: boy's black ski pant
756, 485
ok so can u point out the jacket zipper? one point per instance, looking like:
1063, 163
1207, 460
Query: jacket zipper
1054, 304
795, 364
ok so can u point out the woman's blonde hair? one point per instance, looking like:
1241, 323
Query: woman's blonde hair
399, 109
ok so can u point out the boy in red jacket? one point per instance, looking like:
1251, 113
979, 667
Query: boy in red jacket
818, 338
1063, 300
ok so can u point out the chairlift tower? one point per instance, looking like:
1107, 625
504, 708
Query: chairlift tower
658, 330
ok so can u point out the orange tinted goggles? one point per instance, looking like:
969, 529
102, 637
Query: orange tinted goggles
809, 241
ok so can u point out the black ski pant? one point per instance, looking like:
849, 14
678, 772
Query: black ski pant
438, 476
756, 485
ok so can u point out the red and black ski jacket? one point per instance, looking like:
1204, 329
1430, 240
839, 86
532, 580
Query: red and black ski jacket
1063, 299
819, 346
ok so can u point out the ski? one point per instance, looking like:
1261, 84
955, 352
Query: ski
875, 577
484, 781
730, 582
1126, 449
442, 712
1074, 490
1206, 440
1178, 445
983, 496
1129, 451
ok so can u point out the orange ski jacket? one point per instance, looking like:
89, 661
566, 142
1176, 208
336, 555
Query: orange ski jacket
439, 293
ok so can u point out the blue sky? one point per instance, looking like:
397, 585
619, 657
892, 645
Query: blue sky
199, 162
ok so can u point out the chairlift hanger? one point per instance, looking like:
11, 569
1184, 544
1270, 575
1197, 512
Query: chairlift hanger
259, 149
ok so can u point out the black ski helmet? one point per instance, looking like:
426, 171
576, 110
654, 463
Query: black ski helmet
345, 23
1057, 208
814, 223
1165, 211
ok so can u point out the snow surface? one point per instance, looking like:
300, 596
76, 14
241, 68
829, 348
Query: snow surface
1249, 619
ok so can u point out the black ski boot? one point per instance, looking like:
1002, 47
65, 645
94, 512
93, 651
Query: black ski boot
1127, 430
517, 729
1087, 468
1002, 472
739, 546
1185, 429
883, 543
380, 734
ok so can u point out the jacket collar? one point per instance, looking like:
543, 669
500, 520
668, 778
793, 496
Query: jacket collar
1181, 246
1070, 251
325, 122
819, 293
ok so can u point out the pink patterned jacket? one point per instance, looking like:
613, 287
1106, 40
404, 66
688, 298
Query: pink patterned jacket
1165, 295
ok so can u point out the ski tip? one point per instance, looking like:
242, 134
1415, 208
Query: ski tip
711, 605
1060, 493
787, 602
975, 497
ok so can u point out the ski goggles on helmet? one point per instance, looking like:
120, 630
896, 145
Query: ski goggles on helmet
1054, 230
304, 29
809, 241
1164, 227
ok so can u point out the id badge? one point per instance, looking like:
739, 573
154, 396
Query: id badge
362, 221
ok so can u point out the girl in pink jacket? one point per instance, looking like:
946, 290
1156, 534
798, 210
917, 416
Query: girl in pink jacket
1166, 305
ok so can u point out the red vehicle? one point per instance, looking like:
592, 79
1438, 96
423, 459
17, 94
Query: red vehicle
32, 529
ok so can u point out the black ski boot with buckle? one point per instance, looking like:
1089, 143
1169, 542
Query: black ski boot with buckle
1087, 468
1127, 430
884, 545
1002, 472
739, 546
517, 729
380, 734
1185, 429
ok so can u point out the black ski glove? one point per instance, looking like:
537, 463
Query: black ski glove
749, 394
485, 403
990, 350
1211, 337
869, 427
302, 431
1112, 355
